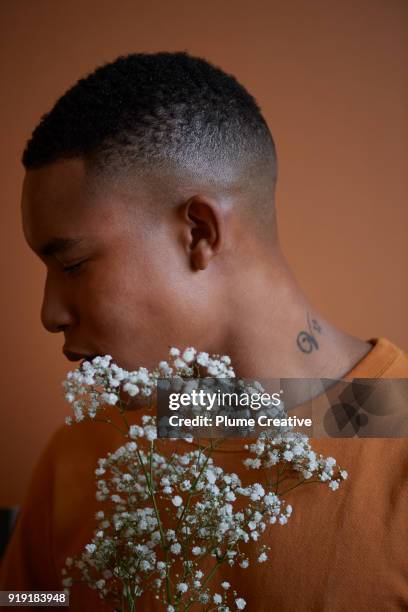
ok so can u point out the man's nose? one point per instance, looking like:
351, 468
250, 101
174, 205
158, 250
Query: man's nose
56, 314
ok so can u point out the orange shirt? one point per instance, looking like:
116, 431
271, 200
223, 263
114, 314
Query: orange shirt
341, 550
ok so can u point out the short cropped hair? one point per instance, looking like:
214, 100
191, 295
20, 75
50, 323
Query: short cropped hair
154, 108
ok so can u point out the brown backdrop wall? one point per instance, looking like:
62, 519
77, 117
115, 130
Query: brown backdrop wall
330, 76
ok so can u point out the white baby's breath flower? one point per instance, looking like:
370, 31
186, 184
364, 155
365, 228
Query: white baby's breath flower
90, 548
171, 534
165, 368
131, 389
175, 548
240, 603
189, 355
110, 398
179, 363
177, 501
288, 455
257, 492
203, 598
150, 433
202, 359
135, 431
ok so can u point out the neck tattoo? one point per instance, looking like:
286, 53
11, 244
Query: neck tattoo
306, 340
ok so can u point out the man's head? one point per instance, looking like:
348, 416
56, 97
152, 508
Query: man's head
159, 168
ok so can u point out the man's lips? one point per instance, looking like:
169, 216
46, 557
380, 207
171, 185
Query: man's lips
74, 356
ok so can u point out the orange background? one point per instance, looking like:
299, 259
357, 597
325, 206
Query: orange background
330, 76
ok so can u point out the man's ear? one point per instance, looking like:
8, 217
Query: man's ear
205, 230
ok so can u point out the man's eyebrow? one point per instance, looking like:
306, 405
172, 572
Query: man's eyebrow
57, 245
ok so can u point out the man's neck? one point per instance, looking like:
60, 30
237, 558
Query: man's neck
276, 333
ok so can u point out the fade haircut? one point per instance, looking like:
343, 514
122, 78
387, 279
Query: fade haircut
162, 111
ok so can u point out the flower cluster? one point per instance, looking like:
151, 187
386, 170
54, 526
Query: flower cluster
293, 452
167, 524
199, 512
100, 382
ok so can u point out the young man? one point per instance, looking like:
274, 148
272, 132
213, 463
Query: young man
150, 196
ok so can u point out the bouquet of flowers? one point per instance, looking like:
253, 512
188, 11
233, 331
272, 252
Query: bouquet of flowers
168, 523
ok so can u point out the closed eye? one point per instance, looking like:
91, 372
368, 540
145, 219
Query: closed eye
71, 270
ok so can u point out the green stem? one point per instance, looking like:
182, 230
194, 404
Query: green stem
207, 580
110, 423
130, 600
298, 485
157, 513
211, 447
